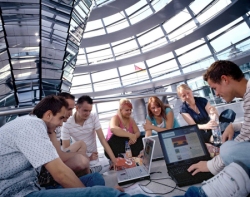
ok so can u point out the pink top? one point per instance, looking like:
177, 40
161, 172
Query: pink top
130, 129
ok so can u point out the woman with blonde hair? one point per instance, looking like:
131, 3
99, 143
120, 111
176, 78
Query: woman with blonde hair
195, 110
122, 128
160, 117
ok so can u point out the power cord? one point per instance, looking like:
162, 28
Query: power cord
155, 181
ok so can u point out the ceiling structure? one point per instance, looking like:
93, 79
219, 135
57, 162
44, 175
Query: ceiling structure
40, 41
108, 48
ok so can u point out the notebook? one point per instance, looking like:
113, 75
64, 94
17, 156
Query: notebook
140, 172
181, 148
157, 154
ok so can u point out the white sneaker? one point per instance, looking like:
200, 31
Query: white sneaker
231, 181
100, 168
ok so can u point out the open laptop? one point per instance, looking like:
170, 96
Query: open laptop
181, 148
157, 154
140, 172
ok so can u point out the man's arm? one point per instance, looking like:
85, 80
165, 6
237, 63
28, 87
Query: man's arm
63, 174
214, 165
65, 144
63, 155
106, 145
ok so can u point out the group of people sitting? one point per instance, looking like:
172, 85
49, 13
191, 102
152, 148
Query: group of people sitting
32, 157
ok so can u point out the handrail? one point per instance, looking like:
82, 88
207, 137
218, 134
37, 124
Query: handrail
99, 100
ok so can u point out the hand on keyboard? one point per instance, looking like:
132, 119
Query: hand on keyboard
198, 167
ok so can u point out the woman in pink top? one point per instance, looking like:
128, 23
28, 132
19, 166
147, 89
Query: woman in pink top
123, 128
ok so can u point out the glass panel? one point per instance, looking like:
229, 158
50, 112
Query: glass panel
163, 68
233, 36
194, 55
177, 20
107, 85
102, 75
118, 26
82, 79
158, 5
189, 46
212, 35
135, 7
159, 59
213, 11
197, 5
93, 25
140, 15
150, 36
113, 18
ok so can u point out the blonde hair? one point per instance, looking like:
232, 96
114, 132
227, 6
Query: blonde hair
182, 86
122, 103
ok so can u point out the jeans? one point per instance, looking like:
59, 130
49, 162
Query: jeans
233, 151
194, 192
95, 191
94, 187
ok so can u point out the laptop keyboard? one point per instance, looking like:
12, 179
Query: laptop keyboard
135, 172
183, 177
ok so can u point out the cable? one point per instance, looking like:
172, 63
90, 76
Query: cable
140, 185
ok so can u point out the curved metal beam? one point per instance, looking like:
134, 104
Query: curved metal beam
240, 59
110, 9
224, 17
152, 84
171, 9
99, 100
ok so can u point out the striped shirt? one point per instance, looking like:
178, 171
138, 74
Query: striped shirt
85, 133
216, 164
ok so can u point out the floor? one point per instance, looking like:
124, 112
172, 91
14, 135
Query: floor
159, 167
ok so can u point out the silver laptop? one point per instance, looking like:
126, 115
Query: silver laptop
140, 172
157, 154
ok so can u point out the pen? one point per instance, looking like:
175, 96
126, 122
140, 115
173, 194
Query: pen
123, 173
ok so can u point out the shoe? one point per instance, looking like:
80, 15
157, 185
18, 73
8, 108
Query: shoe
100, 168
231, 181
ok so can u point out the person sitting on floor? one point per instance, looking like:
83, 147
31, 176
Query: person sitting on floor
228, 81
25, 146
195, 110
83, 126
160, 117
122, 128
75, 155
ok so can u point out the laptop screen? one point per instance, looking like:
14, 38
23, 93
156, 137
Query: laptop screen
181, 144
148, 150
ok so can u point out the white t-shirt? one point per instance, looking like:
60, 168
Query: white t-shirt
84, 133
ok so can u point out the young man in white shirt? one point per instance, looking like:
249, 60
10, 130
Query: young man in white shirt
75, 155
83, 126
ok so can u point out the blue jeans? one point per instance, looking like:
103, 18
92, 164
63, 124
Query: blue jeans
194, 192
95, 191
233, 151
94, 187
